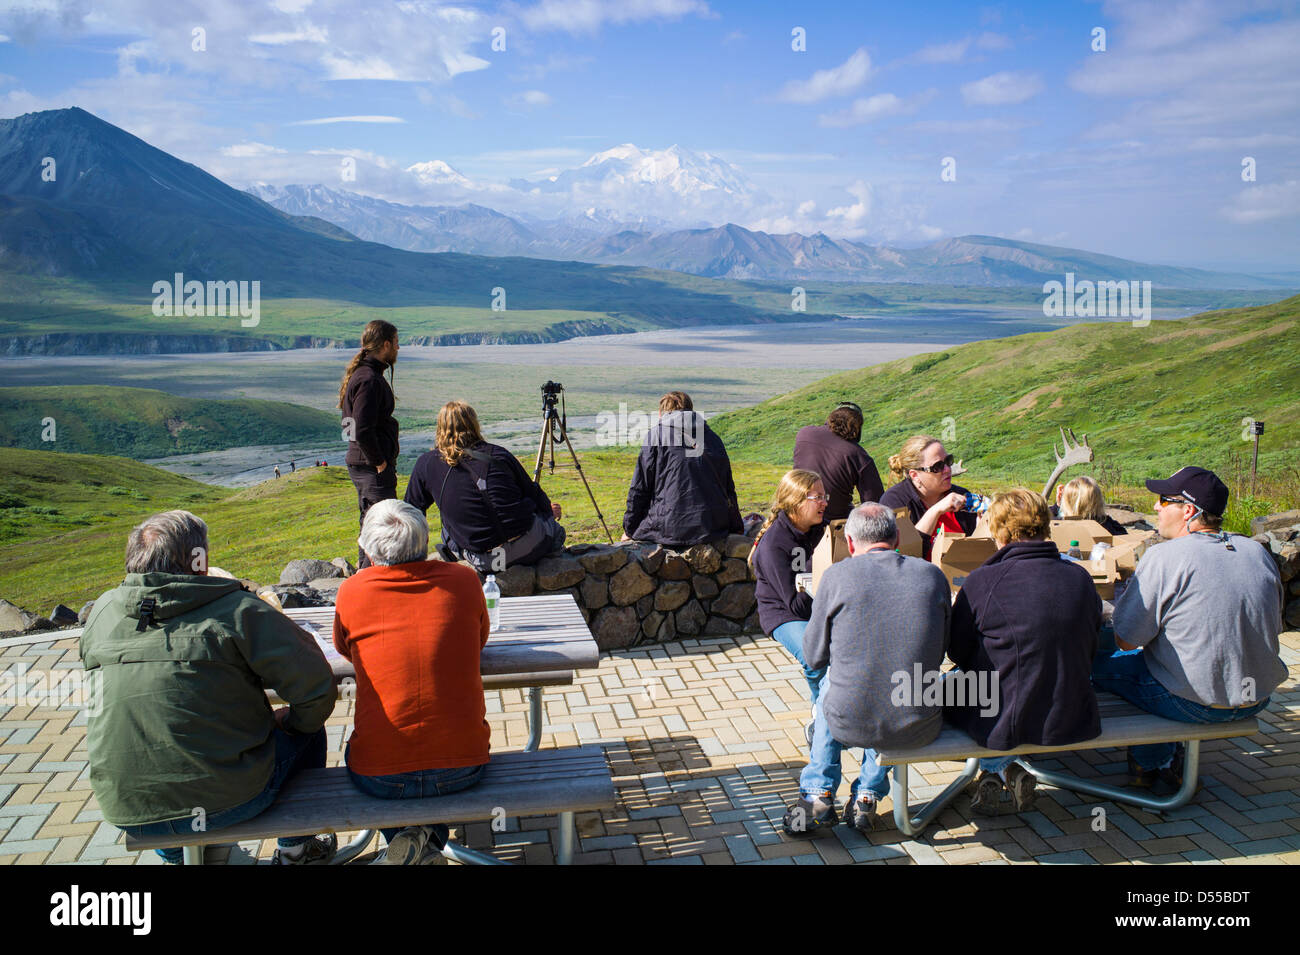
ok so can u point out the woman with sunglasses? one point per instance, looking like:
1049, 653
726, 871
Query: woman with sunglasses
923, 470
782, 550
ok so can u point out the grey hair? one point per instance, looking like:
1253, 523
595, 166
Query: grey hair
871, 523
394, 532
166, 543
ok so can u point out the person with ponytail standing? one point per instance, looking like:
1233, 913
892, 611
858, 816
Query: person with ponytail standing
923, 470
367, 404
783, 549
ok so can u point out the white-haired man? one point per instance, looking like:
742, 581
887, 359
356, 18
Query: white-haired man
413, 629
876, 615
183, 725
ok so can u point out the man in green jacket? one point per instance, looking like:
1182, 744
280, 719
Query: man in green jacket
180, 735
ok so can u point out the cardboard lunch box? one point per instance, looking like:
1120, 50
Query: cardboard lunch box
833, 548
1120, 562
1085, 532
958, 554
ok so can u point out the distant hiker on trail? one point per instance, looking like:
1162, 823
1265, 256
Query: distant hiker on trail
292, 467
493, 514
832, 450
277, 472
367, 404
682, 492
923, 470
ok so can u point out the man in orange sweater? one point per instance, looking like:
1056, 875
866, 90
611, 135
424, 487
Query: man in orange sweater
413, 629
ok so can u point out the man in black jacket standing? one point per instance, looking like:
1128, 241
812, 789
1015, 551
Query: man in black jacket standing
367, 402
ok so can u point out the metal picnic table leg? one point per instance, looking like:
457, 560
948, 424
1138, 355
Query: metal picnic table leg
354, 848
193, 855
1191, 766
536, 719
912, 825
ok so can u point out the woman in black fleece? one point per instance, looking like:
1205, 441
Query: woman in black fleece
1028, 619
783, 549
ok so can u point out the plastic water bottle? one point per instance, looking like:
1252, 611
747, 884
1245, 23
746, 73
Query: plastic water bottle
1074, 553
492, 594
1098, 555
976, 503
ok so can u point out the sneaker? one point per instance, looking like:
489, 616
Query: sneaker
318, 850
804, 818
861, 814
1142, 778
988, 794
1021, 783
407, 847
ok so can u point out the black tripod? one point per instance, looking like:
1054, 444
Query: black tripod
555, 428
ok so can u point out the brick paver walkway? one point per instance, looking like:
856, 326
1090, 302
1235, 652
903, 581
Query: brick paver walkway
705, 739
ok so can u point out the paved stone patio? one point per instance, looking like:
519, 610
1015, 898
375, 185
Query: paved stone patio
705, 740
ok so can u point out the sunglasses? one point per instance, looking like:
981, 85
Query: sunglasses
1171, 500
850, 405
939, 466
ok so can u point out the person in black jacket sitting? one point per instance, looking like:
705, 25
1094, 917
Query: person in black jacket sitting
1026, 624
493, 514
367, 404
832, 450
682, 492
923, 470
782, 550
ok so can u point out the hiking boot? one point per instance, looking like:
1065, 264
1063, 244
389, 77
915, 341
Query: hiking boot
318, 850
861, 813
1021, 783
987, 798
804, 818
407, 847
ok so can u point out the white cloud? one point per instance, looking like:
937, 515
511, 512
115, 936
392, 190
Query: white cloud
529, 98
310, 34
836, 81
1001, 89
943, 52
1266, 201
249, 150
735, 36
871, 108
993, 41
326, 120
963, 126
3, 38
588, 16
855, 215
530, 155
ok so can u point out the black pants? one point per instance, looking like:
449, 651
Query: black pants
372, 487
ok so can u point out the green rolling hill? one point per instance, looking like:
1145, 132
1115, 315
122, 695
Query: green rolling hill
144, 423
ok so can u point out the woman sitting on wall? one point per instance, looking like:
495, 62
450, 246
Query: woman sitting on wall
1081, 499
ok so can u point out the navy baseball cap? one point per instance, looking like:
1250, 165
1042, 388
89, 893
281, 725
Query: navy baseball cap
1203, 488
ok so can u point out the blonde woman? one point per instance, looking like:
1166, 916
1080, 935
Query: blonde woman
923, 470
783, 549
493, 514
366, 401
1081, 499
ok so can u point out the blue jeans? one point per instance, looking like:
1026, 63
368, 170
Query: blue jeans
996, 764
1125, 674
293, 752
418, 785
790, 636
821, 777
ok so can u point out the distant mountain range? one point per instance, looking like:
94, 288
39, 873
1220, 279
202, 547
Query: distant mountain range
82, 199
728, 251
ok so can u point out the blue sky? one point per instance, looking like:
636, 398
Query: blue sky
1136, 151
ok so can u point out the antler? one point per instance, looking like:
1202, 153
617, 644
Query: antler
1077, 453
958, 469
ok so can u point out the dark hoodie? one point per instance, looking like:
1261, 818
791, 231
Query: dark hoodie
1033, 618
368, 401
682, 492
179, 716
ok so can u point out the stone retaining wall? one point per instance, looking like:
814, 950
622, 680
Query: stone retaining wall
633, 594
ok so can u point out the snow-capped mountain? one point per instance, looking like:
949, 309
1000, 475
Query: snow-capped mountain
435, 172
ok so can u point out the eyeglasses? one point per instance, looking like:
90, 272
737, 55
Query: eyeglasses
822, 498
939, 466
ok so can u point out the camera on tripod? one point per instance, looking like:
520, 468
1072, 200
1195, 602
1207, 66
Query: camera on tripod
550, 391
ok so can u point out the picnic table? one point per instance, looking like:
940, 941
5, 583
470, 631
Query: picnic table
539, 642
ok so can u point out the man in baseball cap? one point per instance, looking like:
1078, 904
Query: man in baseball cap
1197, 626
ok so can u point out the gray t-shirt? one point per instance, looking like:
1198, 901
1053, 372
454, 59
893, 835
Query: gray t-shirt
877, 615
1208, 618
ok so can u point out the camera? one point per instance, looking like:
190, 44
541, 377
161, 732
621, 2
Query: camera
550, 391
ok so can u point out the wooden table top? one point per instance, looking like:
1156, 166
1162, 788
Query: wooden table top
537, 634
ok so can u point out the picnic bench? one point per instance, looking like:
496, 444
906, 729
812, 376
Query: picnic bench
558, 782
1122, 724
539, 642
